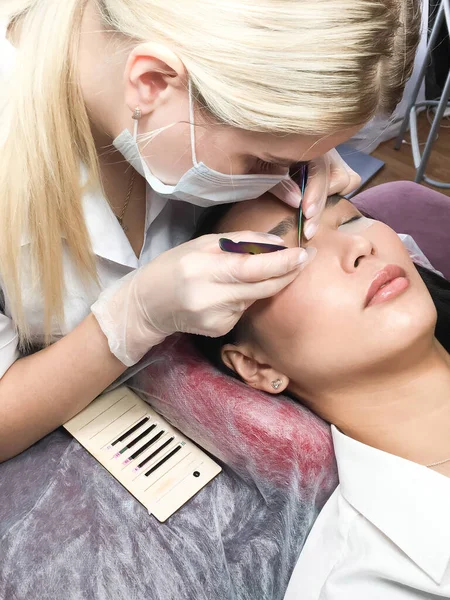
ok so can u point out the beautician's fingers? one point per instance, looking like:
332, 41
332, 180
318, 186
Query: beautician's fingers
328, 174
240, 268
316, 194
232, 300
343, 179
231, 303
245, 295
252, 292
288, 191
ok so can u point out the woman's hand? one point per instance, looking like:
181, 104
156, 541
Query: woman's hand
328, 175
193, 288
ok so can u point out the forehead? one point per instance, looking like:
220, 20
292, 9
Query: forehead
293, 147
263, 214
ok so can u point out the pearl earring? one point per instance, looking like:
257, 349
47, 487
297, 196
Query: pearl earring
276, 384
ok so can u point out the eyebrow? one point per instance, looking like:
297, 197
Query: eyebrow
286, 225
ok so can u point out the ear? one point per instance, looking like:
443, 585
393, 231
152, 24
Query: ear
152, 72
244, 363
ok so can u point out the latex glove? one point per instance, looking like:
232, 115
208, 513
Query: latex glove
327, 175
193, 288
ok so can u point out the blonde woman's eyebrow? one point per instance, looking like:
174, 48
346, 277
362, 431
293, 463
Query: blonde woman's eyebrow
284, 162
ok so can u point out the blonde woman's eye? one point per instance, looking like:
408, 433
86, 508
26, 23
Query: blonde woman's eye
264, 166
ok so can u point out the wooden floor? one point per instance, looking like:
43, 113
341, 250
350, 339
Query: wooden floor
399, 163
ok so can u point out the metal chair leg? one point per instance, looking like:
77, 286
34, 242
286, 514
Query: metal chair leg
434, 131
423, 68
421, 160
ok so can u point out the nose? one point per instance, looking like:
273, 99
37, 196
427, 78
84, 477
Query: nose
359, 248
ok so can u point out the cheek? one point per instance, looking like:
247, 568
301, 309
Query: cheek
292, 326
389, 246
168, 155
408, 318
272, 321
222, 149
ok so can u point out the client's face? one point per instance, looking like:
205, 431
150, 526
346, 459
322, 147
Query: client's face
323, 331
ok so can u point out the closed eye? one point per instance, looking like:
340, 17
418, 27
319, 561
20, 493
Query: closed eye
262, 166
355, 218
356, 224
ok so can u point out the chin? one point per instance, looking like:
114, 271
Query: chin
400, 320
409, 328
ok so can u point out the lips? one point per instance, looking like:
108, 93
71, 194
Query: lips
387, 284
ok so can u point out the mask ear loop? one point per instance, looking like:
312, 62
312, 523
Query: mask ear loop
192, 123
137, 116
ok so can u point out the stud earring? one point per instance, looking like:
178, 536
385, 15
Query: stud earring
137, 116
276, 384
137, 113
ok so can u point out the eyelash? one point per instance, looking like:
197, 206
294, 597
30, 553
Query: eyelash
355, 218
264, 166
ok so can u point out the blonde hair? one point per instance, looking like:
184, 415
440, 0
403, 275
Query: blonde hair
309, 67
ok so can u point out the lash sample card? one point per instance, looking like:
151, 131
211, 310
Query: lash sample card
152, 460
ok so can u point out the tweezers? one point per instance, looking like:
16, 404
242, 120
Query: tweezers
248, 247
228, 245
303, 183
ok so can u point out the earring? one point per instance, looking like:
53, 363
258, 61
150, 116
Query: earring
137, 116
276, 384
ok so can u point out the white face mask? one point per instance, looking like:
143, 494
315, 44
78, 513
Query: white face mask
200, 185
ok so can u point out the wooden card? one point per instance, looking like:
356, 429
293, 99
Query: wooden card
150, 458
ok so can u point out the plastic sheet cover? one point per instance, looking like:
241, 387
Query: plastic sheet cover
69, 530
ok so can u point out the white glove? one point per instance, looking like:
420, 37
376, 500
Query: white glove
193, 288
327, 175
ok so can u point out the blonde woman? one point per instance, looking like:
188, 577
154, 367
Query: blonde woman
120, 120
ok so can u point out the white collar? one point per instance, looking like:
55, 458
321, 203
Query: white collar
107, 236
408, 502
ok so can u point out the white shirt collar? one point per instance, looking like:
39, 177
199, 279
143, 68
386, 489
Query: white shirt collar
408, 502
107, 236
